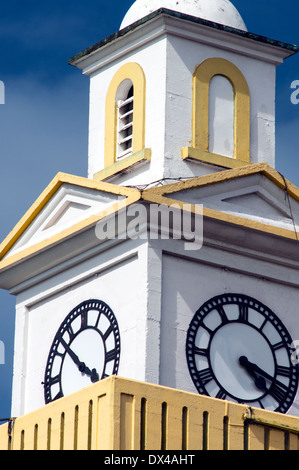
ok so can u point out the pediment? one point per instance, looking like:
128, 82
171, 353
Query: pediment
69, 202
256, 193
253, 197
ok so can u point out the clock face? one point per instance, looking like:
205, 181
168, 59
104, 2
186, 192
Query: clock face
85, 349
237, 349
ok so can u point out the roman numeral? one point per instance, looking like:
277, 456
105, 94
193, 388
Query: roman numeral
221, 395
264, 323
222, 314
111, 355
278, 391
70, 331
54, 380
84, 319
107, 333
205, 376
278, 345
98, 319
243, 315
200, 351
283, 371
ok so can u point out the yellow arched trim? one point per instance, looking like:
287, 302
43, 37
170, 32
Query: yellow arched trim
133, 72
200, 114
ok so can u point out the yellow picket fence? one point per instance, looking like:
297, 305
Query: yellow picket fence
121, 414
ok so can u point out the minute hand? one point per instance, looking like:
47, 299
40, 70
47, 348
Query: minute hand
259, 380
94, 376
262, 372
75, 358
254, 368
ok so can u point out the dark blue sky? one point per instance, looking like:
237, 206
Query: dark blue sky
43, 124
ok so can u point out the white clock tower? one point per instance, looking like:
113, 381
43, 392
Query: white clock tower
176, 260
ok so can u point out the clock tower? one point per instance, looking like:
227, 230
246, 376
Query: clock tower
175, 261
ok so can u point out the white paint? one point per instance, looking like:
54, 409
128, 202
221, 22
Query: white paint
221, 117
168, 62
70, 204
231, 342
89, 347
218, 11
42, 308
186, 286
252, 197
153, 295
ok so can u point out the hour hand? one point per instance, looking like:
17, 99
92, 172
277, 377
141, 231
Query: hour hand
94, 376
255, 372
75, 358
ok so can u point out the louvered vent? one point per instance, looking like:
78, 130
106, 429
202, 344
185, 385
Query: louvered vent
125, 126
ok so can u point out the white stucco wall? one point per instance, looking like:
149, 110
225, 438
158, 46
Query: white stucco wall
154, 289
169, 63
119, 279
188, 284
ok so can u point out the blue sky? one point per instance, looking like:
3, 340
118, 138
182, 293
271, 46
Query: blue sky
43, 123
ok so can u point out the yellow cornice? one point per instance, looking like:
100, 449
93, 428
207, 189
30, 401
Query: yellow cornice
160, 195
226, 175
132, 196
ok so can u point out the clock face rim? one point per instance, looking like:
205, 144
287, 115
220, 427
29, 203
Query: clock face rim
239, 299
81, 309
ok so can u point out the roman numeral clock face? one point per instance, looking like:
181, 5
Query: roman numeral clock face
85, 349
237, 349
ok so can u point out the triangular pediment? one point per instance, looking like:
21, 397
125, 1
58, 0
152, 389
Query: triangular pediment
68, 204
255, 193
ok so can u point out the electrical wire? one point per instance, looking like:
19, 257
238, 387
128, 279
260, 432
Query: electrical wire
160, 182
287, 197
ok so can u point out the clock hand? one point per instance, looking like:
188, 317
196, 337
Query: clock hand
262, 372
277, 389
259, 380
94, 376
75, 358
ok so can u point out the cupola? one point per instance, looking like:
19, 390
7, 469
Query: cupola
181, 90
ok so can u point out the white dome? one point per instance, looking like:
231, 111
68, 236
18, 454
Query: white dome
218, 11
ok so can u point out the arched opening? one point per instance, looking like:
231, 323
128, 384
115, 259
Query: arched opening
221, 116
125, 109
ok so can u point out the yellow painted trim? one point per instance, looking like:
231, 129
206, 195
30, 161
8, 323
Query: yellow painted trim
131, 194
133, 72
213, 158
160, 195
200, 113
155, 195
221, 176
120, 165
221, 216
122, 414
253, 415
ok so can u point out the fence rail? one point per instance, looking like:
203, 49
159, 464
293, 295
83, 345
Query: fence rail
121, 414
